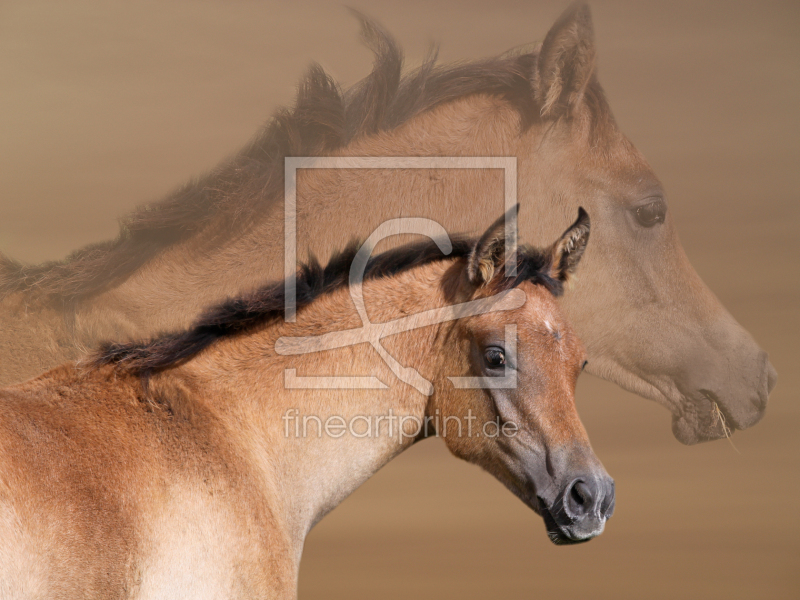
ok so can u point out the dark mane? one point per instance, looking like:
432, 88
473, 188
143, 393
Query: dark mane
232, 196
243, 314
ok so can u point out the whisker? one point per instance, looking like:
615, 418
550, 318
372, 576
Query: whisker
721, 417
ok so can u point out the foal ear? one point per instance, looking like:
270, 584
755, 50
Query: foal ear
567, 251
489, 252
566, 62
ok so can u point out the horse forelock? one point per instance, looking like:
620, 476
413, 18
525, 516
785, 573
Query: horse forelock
231, 197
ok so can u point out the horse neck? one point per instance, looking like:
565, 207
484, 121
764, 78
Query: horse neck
334, 206
292, 434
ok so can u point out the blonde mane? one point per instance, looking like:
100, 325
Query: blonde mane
229, 198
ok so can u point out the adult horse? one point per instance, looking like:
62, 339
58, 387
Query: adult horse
648, 322
183, 468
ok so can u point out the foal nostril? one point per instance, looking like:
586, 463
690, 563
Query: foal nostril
589, 497
579, 498
581, 510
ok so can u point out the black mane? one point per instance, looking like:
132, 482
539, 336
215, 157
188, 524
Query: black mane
244, 313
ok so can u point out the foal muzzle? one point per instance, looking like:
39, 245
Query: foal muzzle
580, 511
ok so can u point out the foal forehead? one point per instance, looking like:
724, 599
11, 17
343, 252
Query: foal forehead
541, 326
542, 315
539, 316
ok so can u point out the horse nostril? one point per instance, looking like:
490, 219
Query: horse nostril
579, 494
579, 499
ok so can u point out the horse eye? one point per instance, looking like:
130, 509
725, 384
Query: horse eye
651, 213
583, 366
495, 358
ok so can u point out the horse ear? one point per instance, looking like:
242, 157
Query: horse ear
489, 252
566, 62
567, 251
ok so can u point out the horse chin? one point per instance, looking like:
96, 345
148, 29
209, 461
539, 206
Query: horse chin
556, 534
692, 429
702, 415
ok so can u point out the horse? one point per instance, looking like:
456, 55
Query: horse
190, 466
649, 323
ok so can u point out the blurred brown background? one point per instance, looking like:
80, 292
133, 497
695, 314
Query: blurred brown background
107, 105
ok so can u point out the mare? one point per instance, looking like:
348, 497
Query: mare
648, 322
183, 467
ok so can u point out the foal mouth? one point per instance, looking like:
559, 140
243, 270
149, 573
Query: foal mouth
556, 534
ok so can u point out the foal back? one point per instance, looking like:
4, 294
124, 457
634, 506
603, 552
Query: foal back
108, 491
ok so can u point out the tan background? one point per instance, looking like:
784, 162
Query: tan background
106, 105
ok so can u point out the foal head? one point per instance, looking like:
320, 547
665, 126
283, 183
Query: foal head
516, 410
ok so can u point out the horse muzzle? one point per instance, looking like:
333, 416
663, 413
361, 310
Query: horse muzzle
714, 411
580, 511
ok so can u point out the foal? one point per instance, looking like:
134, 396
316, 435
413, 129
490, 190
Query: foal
194, 466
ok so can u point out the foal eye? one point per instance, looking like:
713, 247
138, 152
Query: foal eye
651, 213
495, 358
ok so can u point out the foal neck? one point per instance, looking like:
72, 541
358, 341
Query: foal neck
315, 445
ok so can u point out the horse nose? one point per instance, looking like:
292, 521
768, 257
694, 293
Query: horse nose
727, 404
772, 379
769, 377
581, 509
589, 497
